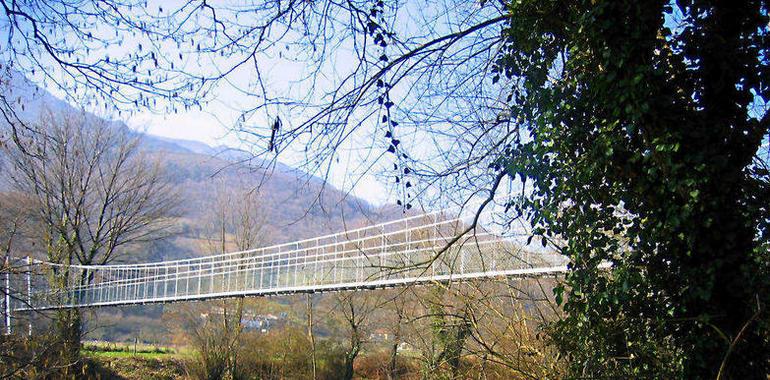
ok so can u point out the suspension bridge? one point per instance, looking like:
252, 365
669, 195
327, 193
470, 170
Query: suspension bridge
423, 249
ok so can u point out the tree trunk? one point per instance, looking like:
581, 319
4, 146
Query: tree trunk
393, 366
69, 327
311, 336
350, 358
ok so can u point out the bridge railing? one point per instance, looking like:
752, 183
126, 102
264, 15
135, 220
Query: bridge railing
405, 251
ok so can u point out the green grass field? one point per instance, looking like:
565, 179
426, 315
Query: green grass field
110, 360
124, 354
97, 349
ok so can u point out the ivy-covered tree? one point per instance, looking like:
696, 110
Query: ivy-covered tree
643, 125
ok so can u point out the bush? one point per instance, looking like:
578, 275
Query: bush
286, 354
36, 357
279, 354
376, 365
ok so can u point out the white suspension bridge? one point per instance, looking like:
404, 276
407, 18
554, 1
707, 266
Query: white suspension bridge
428, 248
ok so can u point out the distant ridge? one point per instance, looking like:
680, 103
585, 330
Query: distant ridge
294, 204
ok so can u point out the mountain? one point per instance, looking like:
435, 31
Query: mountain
295, 204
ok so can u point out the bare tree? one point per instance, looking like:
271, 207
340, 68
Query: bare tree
490, 329
311, 335
214, 329
93, 187
506, 320
241, 215
94, 191
397, 308
356, 309
208, 330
